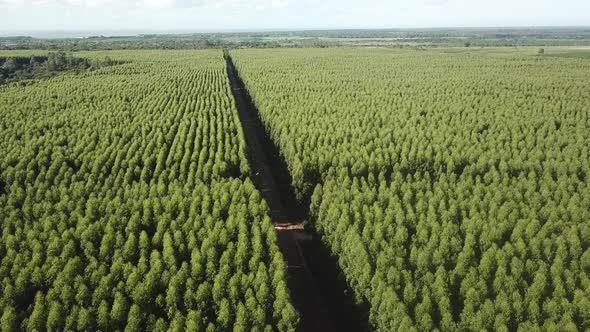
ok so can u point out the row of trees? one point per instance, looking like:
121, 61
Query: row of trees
452, 187
126, 205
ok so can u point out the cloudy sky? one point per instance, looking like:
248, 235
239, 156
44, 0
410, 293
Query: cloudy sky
231, 15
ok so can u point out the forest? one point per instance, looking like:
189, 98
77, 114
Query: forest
452, 186
126, 205
15, 68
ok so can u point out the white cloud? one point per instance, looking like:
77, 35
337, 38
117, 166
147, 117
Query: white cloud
285, 14
88, 3
159, 4
11, 3
214, 4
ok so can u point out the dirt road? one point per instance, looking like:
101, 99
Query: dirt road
317, 287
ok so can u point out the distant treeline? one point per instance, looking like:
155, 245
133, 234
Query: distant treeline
22, 68
315, 38
130, 42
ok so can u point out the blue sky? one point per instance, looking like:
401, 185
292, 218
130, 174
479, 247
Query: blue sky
224, 15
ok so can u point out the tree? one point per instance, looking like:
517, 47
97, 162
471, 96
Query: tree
120, 308
178, 323
224, 316
55, 318
8, 321
10, 65
38, 317
103, 318
85, 321
134, 319
193, 321
241, 322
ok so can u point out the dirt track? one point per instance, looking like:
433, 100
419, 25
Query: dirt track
315, 281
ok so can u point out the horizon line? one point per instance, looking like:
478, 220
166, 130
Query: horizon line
6, 33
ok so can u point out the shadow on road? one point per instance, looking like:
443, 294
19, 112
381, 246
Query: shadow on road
316, 283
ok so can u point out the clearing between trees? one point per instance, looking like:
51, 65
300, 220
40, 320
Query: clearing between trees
318, 289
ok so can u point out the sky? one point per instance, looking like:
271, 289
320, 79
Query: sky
256, 15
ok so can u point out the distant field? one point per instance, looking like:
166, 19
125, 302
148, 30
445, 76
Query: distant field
19, 53
570, 52
435, 37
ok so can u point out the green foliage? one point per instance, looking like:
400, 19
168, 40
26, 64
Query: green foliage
124, 197
8, 322
452, 187
22, 68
